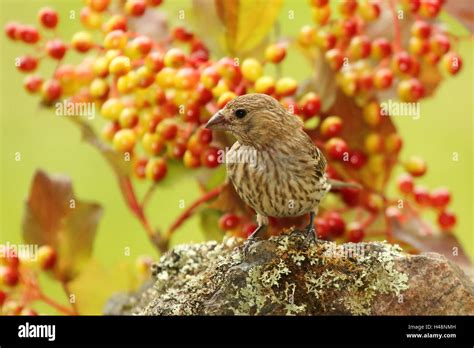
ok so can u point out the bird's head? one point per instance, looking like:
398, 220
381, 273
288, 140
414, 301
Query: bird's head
254, 119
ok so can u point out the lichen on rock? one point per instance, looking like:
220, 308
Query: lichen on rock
284, 275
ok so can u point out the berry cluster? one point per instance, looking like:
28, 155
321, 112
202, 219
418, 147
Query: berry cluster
18, 278
363, 65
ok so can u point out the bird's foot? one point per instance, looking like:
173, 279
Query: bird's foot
251, 239
310, 231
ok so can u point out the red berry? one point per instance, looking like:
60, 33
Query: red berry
248, 228
452, 63
56, 49
421, 29
29, 34
355, 232
51, 90
204, 95
167, 129
46, 257
312, 105
3, 296
192, 113
205, 135
401, 62
33, 83
12, 30
181, 34
156, 169
337, 148
322, 228
135, 7
9, 276
440, 44
139, 167
48, 17
446, 220
27, 63
405, 183
422, 196
357, 159
381, 48
383, 78
331, 126
210, 157
440, 197
350, 196
229, 221
335, 58
336, 224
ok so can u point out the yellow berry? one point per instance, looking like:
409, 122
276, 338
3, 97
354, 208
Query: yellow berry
371, 113
124, 140
165, 78
265, 84
251, 69
286, 86
82, 41
112, 108
120, 65
116, 39
373, 143
98, 88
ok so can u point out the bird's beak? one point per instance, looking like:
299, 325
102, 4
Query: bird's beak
217, 122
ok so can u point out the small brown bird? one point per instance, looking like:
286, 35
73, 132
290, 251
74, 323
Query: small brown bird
274, 165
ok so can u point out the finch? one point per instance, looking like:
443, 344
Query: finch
274, 165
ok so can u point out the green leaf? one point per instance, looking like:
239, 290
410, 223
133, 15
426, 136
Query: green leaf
53, 216
209, 221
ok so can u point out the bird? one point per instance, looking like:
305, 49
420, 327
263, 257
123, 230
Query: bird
274, 166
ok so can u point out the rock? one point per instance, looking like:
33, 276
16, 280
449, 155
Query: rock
289, 275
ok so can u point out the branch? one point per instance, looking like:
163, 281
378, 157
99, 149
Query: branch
190, 211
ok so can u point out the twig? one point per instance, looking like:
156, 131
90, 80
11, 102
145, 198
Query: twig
190, 211
396, 26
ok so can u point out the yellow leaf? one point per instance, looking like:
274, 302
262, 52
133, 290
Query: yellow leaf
247, 22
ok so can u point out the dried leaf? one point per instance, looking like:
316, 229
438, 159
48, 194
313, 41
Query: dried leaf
440, 242
53, 216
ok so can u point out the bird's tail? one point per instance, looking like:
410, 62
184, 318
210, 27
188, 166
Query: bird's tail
336, 184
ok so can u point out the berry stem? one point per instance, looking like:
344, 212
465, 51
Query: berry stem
137, 209
396, 26
59, 307
190, 211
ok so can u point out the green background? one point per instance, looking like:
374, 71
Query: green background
54, 145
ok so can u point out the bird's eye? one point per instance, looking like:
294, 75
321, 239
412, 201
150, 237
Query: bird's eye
240, 113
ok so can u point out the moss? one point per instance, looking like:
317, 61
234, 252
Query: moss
283, 275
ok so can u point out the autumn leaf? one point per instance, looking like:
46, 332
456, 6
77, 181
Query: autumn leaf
444, 243
53, 216
97, 283
242, 25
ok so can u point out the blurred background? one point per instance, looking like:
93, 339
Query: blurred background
54, 145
